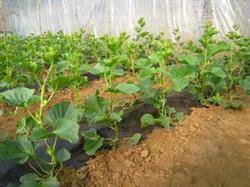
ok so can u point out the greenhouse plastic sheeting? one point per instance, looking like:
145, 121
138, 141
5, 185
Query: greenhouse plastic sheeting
114, 16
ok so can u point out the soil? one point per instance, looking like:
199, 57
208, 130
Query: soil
211, 148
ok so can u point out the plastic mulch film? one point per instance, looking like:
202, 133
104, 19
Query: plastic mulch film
114, 16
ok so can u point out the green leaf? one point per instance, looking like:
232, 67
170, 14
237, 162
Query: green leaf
99, 69
50, 182
245, 84
234, 106
180, 84
19, 149
18, 96
142, 63
25, 125
61, 82
133, 140
39, 133
118, 72
115, 117
190, 60
50, 55
92, 141
26, 145
95, 107
30, 180
63, 110
170, 110
33, 180
218, 71
127, 88
217, 48
34, 100
181, 75
216, 99
156, 57
63, 155
63, 117
66, 129
10, 150
61, 66
179, 116
32, 66
147, 120
163, 121
11, 184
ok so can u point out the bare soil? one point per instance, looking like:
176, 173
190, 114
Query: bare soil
211, 148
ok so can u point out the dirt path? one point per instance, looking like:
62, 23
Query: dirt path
211, 148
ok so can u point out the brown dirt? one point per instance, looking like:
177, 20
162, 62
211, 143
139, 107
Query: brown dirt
210, 149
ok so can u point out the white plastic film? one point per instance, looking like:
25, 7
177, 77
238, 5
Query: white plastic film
114, 16
227, 13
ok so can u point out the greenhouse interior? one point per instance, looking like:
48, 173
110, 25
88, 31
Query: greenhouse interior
125, 93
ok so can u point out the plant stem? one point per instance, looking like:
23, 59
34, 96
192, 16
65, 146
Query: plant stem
34, 169
52, 155
42, 103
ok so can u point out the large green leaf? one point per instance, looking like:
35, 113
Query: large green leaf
25, 125
211, 80
33, 180
32, 66
218, 71
63, 155
10, 150
245, 84
19, 149
63, 118
95, 108
156, 57
180, 84
141, 63
30, 180
217, 48
18, 96
92, 141
66, 129
189, 59
39, 133
50, 182
164, 121
181, 75
26, 146
134, 139
118, 72
99, 69
63, 110
61, 66
147, 120
127, 88
115, 117
61, 82
179, 116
